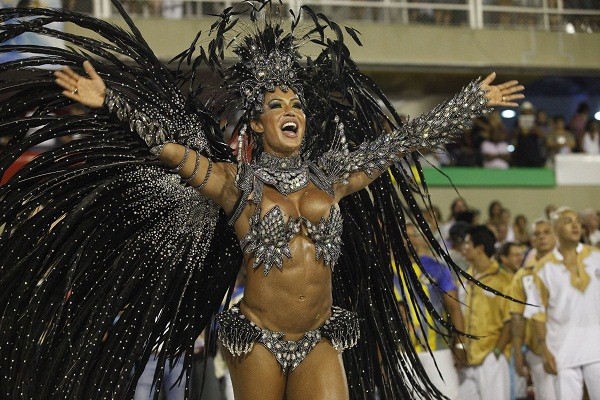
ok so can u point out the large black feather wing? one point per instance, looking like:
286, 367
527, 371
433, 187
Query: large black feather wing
104, 255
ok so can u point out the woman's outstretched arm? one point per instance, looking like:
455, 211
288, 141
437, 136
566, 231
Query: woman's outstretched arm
213, 180
359, 168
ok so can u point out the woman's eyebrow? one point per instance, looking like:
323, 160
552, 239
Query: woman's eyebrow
280, 99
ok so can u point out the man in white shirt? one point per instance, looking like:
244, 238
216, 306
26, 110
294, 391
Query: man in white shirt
567, 326
527, 353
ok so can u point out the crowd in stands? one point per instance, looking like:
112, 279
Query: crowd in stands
534, 140
505, 228
435, 14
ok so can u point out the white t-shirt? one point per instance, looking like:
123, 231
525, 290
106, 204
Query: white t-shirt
492, 149
572, 315
590, 145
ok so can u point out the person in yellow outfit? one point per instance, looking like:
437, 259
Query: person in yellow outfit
567, 325
487, 374
528, 361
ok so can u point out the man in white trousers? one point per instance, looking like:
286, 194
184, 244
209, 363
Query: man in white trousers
567, 325
528, 361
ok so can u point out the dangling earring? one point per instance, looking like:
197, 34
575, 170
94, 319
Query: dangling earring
304, 152
339, 137
241, 149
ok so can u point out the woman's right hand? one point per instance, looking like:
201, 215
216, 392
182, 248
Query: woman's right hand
88, 91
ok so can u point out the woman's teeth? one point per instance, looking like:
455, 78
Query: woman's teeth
290, 126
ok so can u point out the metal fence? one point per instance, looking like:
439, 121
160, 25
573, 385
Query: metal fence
549, 15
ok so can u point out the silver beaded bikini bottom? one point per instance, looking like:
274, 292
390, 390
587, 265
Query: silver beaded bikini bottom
238, 334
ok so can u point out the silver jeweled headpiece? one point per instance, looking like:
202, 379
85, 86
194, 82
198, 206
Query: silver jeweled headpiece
270, 52
266, 72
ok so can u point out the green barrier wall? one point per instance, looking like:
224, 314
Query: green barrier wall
482, 177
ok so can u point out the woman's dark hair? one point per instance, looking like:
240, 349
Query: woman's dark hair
492, 205
466, 216
453, 206
458, 231
256, 142
583, 108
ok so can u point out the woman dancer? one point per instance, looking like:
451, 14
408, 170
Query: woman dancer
286, 209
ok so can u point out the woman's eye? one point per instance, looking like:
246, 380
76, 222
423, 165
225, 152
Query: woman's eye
274, 105
298, 106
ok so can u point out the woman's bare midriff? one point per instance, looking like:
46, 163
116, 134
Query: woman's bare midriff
294, 299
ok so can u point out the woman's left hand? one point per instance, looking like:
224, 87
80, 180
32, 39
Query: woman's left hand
88, 90
502, 95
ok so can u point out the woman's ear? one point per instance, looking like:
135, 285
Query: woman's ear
257, 126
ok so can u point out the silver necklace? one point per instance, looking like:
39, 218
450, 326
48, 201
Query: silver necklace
286, 174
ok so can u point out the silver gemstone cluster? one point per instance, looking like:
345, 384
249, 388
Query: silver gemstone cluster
289, 353
238, 334
268, 238
342, 329
157, 127
327, 235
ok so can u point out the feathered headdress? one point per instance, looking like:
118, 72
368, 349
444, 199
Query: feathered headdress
268, 41
266, 61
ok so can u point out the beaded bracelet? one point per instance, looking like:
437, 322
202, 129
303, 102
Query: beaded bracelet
183, 160
208, 171
196, 167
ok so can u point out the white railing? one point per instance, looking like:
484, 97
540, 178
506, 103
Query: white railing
583, 16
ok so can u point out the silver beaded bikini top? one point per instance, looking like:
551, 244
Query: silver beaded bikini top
268, 237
